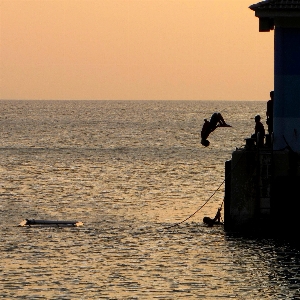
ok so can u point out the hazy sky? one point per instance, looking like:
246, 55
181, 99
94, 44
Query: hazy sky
134, 49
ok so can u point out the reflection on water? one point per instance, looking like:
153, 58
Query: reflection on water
128, 171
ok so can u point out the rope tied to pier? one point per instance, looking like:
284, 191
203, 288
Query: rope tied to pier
190, 216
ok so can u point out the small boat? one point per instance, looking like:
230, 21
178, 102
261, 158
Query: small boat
32, 222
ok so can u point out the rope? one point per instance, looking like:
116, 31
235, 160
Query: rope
176, 224
198, 208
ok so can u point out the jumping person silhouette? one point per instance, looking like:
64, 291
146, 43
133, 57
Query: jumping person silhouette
216, 120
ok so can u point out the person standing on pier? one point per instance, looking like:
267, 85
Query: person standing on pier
269, 113
259, 131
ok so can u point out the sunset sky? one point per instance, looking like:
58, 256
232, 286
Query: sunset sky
134, 50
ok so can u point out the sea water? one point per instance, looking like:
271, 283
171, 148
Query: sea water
135, 173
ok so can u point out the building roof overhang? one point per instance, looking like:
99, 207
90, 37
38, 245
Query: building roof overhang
277, 9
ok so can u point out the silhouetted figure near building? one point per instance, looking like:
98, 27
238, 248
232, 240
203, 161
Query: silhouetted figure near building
269, 113
259, 132
216, 220
216, 120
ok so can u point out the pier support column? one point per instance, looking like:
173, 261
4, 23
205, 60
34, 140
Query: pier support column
287, 85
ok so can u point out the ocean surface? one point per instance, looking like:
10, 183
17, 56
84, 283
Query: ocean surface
130, 171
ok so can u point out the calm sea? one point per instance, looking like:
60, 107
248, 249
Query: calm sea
130, 171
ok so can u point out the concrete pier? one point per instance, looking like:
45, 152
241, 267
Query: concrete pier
262, 183
262, 190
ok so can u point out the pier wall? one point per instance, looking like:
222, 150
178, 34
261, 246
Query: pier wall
262, 190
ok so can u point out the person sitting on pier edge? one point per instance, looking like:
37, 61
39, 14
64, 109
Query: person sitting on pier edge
216, 120
259, 132
269, 113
